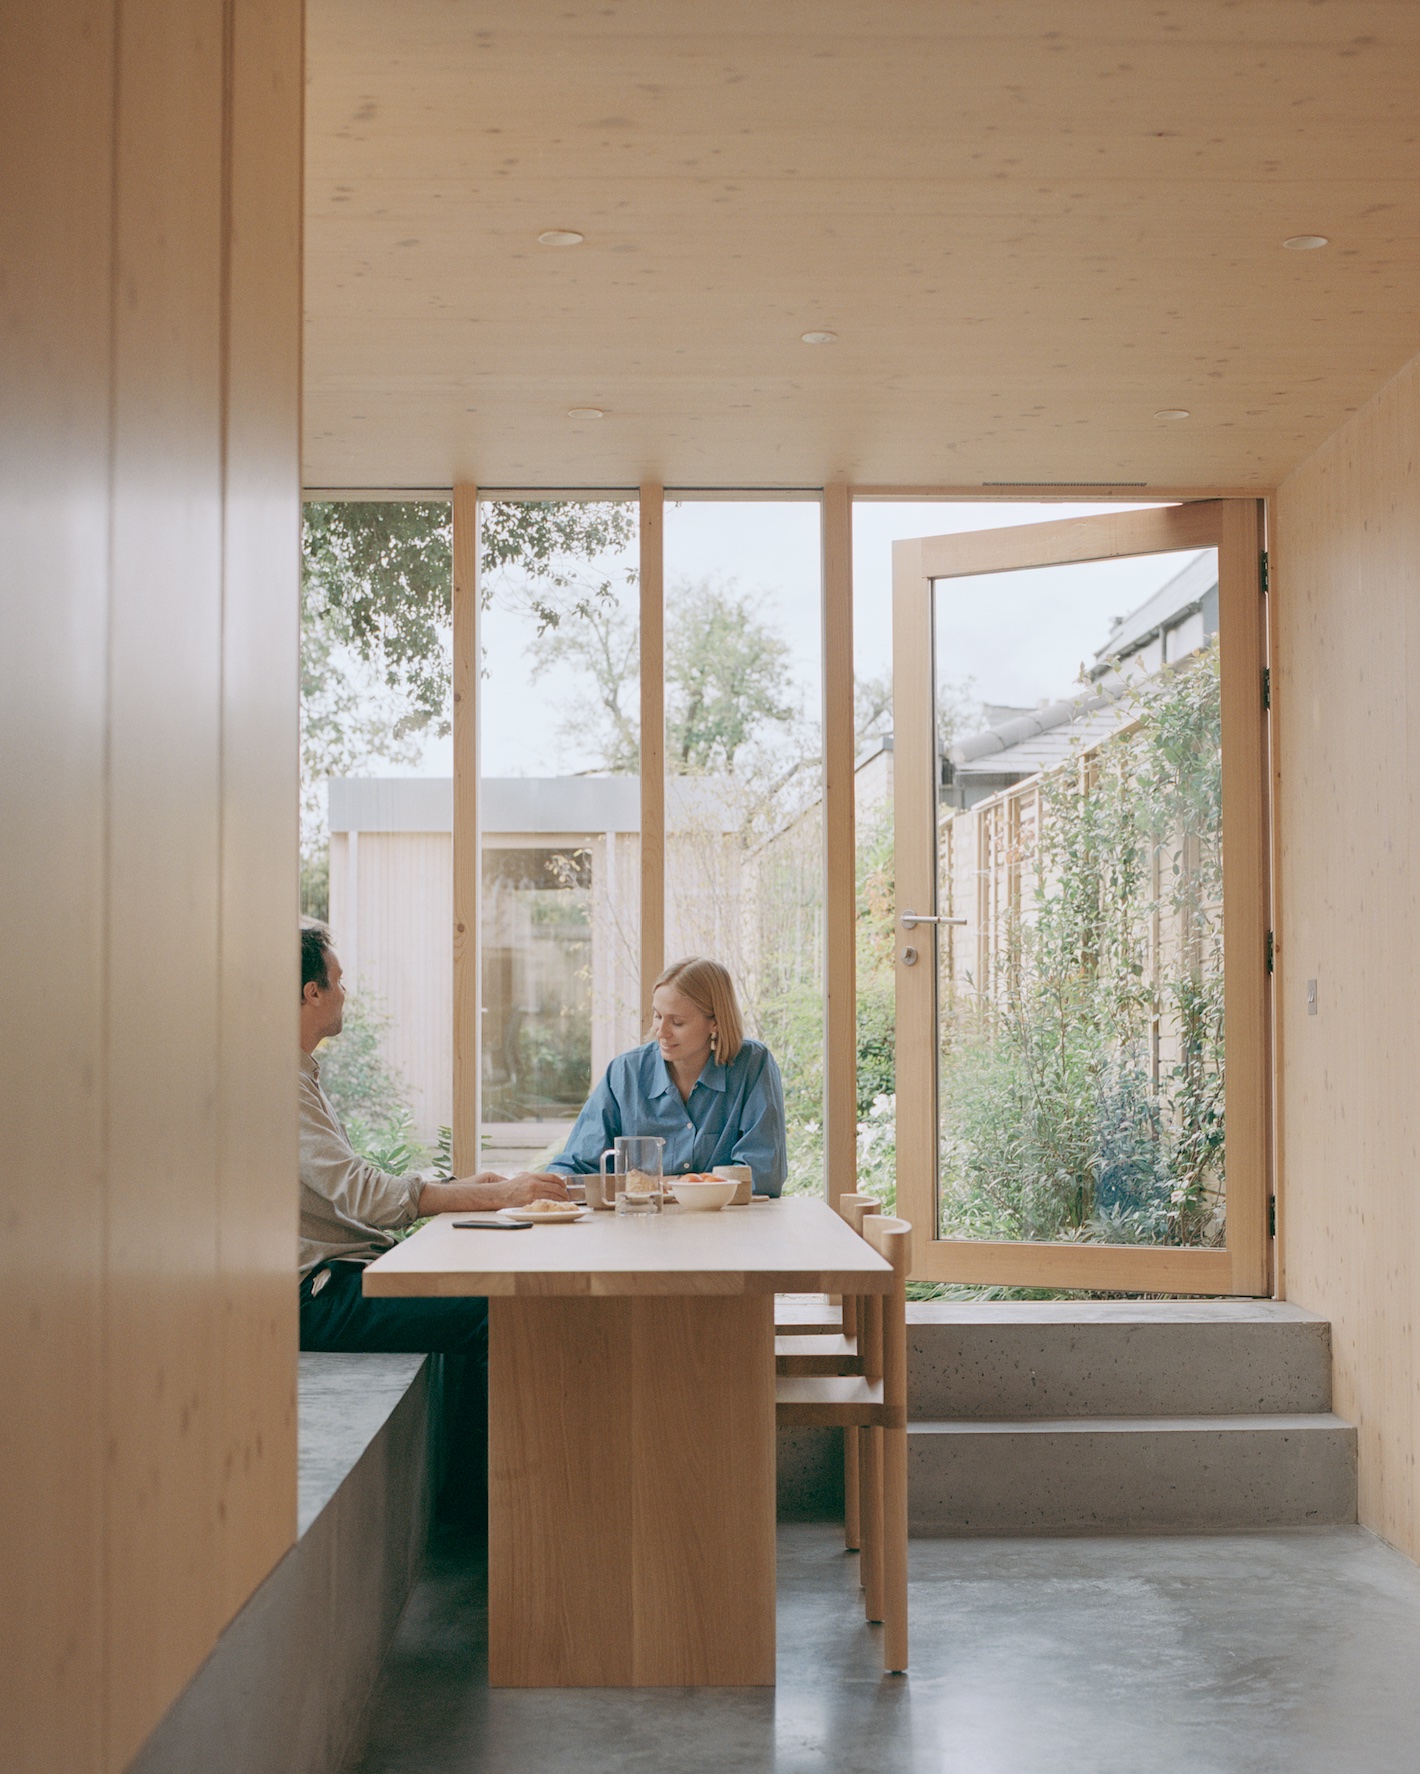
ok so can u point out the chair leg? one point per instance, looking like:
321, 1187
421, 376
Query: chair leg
870, 1511
893, 1560
850, 1489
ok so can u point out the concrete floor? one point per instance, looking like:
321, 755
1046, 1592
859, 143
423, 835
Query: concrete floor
1248, 1654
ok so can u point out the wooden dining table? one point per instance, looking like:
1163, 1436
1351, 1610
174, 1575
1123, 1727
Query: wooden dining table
631, 1430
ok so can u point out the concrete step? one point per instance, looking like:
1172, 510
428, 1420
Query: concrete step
994, 1360
1098, 1475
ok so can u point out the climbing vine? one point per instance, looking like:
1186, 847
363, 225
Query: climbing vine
1082, 1083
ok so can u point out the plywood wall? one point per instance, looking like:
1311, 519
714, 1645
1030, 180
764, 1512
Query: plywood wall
149, 526
1346, 616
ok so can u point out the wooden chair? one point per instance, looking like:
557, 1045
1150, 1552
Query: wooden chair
874, 1404
820, 1315
826, 1343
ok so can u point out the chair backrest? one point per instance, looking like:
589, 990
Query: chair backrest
853, 1208
892, 1238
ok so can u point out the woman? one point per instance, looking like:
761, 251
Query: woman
713, 1095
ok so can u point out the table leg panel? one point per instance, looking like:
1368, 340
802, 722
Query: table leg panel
704, 1491
631, 1507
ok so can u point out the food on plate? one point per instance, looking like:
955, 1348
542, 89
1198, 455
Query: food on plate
536, 1208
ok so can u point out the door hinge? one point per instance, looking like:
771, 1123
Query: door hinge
1262, 577
1271, 1216
1266, 687
1271, 951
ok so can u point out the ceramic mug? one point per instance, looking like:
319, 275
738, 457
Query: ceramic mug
741, 1174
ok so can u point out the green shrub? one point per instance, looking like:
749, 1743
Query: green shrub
368, 1094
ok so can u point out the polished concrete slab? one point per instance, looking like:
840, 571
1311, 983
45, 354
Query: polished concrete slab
1282, 1653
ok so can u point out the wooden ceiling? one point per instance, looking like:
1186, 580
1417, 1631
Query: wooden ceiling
1032, 227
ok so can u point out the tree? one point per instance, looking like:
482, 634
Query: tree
959, 710
376, 624
727, 679
380, 576
346, 725
605, 646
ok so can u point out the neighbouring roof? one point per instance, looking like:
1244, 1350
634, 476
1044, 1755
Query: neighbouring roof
1038, 739
1191, 589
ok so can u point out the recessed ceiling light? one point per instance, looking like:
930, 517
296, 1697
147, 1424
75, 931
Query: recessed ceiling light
560, 237
586, 413
818, 338
1172, 413
1306, 243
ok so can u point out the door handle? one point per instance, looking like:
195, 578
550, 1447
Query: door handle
910, 920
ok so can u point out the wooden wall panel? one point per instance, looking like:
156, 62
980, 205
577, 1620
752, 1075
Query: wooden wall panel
256, 1105
56, 80
162, 999
148, 526
1346, 662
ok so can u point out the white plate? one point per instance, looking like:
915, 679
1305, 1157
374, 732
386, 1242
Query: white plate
572, 1211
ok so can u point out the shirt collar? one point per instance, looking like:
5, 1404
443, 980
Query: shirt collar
310, 1065
662, 1084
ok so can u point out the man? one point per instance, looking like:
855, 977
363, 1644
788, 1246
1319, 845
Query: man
349, 1207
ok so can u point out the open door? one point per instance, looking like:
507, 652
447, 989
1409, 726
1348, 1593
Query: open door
1082, 942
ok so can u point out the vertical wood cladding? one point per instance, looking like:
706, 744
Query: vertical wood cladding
1346, 584
149, 528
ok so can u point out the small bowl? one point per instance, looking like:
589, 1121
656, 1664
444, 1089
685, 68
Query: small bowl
707, 1196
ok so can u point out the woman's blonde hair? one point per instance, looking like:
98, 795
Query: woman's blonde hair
711, 990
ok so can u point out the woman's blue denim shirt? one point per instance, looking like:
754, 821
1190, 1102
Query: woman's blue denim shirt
735, 1115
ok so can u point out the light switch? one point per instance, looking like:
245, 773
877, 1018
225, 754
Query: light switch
1311, 997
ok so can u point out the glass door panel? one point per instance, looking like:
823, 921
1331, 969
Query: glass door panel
1079, 841
1061, 931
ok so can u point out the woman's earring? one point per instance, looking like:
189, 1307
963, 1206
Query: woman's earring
714, 1037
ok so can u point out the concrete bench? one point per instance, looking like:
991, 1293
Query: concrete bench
287, 1683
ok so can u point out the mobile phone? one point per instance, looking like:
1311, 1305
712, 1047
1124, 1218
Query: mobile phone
492, 1225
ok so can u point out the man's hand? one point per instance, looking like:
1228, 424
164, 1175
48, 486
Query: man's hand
535, 1185
478, 1194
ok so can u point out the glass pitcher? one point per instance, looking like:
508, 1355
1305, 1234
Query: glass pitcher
633, 1184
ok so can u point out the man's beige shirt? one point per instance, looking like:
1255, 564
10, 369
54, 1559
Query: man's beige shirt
347, 1205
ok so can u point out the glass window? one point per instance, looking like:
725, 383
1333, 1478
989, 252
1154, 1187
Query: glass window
560, 809
376, 810
744, 785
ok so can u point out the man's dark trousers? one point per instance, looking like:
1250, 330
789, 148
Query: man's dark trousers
340, 1318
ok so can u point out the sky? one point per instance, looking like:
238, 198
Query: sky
1020, 638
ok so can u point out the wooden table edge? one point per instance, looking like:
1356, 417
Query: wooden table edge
395, 1283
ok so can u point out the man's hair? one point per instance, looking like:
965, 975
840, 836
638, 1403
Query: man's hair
316, 944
